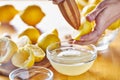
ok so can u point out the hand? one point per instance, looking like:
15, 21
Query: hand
107, 12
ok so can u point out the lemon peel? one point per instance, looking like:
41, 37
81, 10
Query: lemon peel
54, 31
81, 3
85, 28
23, 40
23, 58
87, 9
7, 49
32, 33
94, 1
37, 51
46, 39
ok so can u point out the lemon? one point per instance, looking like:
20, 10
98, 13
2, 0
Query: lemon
23, 58
46, 39
32, 33
85, 28
87, 9
114, 25
81, 3
23, 40
7, 49
32, 15
7, 13
54, 31
37, 51
94, 1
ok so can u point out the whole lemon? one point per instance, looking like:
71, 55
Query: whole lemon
32, 15
7, 13
46, 39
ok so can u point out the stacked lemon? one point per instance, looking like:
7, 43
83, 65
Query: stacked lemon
7, 49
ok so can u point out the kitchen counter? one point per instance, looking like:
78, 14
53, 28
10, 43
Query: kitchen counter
106, 66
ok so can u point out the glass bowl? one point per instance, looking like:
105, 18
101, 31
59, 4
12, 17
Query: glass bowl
33, 73
71, 59
105, 40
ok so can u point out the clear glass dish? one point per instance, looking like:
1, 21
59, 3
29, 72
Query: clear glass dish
71, 59
33, 73
105, 40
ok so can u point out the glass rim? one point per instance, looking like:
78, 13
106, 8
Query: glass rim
11, 75
94, 55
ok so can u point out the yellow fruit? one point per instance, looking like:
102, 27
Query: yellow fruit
23, 40
37, 51
81, 3
32, 15
94, 1
24, 58
46, 39
7, 13
114, 25
54, 31
32, 33
87, 9
7, 49
85, 28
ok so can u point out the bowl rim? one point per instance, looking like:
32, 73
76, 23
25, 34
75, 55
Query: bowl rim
11, 75
94, 56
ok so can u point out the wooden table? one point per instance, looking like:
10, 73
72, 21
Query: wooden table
106, 66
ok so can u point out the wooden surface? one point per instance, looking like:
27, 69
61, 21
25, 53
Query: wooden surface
106, 66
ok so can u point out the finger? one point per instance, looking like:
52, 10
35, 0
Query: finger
99, 29
86, 42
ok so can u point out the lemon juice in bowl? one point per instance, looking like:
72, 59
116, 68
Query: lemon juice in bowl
71, 59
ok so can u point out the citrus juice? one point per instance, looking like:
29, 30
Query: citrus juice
70, 61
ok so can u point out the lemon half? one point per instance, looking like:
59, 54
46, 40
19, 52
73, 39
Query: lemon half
32, 33
7, 49
85, 28
46, 39
23, 40
37, 51
24, 58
